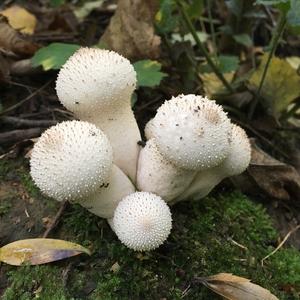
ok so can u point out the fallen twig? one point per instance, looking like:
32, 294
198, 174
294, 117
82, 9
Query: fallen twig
56, 219
25, 99
281, 244
21, 123
18, 135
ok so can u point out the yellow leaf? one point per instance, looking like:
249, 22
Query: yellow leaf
236, 288
213, 85
281, 85
294, 61
39, 251
20, 19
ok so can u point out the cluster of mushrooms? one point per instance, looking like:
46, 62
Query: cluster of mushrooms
98, 162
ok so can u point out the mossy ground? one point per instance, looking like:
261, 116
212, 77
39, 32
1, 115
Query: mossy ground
204, 241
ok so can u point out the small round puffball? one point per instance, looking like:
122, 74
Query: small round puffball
94, 79
142, 221
192, 132
71, 160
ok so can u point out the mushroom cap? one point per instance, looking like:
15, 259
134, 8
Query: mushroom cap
94, 78
239, 155
71, 160
192, 132
142, 221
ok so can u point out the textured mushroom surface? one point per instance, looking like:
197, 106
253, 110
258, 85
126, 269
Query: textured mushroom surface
239, 155
142, 221
71, 160
94, 78
159, 176
192, 132
97, 86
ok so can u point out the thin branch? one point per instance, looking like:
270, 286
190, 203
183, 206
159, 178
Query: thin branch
201, 46
273, 45
14, 136
56, 219
281, 244
211, 26
25, 123
25, 99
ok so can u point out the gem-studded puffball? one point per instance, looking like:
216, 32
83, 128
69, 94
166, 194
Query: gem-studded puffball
94, 79
71, 160
240, 153
142, 221
192, 132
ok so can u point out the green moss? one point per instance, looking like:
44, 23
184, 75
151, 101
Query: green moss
42, 282
218, 234
5, 206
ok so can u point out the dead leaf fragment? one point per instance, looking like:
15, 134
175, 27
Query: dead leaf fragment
267, 174
20, 19
131, 30
236, 288
213, 85
11, 41
39, 251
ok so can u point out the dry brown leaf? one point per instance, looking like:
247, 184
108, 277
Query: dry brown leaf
20, 19
39, 251
131, 30
266, 174
236, 288
12, 41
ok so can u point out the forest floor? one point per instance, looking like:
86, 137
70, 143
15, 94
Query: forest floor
226, 232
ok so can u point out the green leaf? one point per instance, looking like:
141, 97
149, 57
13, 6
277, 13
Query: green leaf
56, 3
165, 19
176, 37
271, 2
293, 15
148, 73
281, 85
243, 39
225, 63
195, 9
54, 55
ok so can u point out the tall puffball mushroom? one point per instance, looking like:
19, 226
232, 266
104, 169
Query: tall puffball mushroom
189, 133
235, 163
142, 221
73, 161
97, 85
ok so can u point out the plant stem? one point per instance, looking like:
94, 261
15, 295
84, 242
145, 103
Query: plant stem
202, 48
273, 46
211, 26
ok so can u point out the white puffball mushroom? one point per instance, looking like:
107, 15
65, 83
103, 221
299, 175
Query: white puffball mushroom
142, 221
192, 132
157, 175
97, 85
148, 130
105, 200
71, 160
235, 163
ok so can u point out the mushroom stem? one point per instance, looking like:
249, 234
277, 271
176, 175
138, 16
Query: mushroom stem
105, 200
159, 176
120, 126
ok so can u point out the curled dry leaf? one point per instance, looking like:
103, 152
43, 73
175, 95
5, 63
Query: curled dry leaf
131, 30
265, 173
39, 251
236, 288
11, 41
